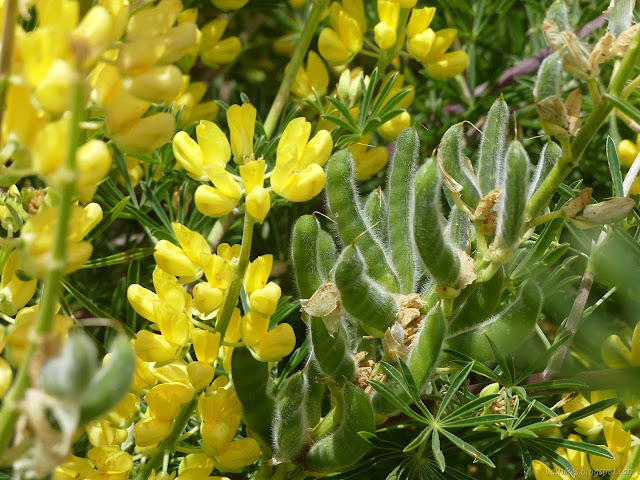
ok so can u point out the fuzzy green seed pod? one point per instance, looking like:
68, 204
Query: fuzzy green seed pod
344, 206
343, 447
459, 228
290, 422
507, 329
459, 166
327, 254
332, 353
549, 155
512, 203
251, 383
400, 214
375, 210
479, 306
109, 385
361, 296
492, 147
438, 256
68, 374
315, 393
304, 253
549, 77
426, 348
558, 13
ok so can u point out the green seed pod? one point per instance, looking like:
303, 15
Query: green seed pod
290, 422
558, 13
316, 391
458, 166
68, 374
492, 145
621, 16
438, 256
426, 348
375, 210
251, 383
326, 253
343, 447
332, 354
512, 203
304, 248
401, 203
549, 77
361, 296
479, 306
110, 384
549, 155
507, 329
459, 228
344, 206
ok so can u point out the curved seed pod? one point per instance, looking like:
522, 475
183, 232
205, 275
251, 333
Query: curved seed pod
507, 329
111, 382
332, 354
375, 210
304, 240
438, 256
459, 228
343, 447
290, 421
315, 393
400, 214
426, 348
549, 155
458, 166
479, 306
361, 297
251, 383
621, 16
512, 203
549, 77
327, 254
68, 374
558, 13
492, 146
344, 205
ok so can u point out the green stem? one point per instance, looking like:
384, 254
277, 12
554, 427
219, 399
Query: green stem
6, 55
231, 299
630, 468
309, 30
168, 443
49, 299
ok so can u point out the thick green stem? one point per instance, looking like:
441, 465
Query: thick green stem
168, 444
46, 312
309, 30
231, 299
6, 55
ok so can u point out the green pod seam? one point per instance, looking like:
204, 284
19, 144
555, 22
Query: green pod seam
332, 354
549, 77
507, 329
426, 348
549, 155
458, 166
513, 201
438, 256
304, 241
111, 382
361, 296
479, 306
400, 214
290, 421
69, 374
492, 147
375, 210
344, 206
251, 383
343, 447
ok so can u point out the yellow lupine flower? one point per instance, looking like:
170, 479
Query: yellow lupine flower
298, 175
257, 201
213, 50
152, 347
6, 376
151, 431
220, 199
314, 77
14, 292
391, 129
592, 424
265, 299
207, 298
145, 134
93, 35
368, 162
22, 121
73, 468
578, 461
618, 443
111, 460
220, 402
160, 84
448, 65
154, 20
344, 39
165, 399
195, 466
218, 271
175, 372
420, 20
173, 323
200, 374
211, 149
186, 260
242, 123
119, 11
257, 273
206, 345
102, 433
238, 454
628, 151
266, 346
93, 162
385, 31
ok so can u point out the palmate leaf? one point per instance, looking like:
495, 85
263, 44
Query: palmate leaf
438, 456
457, 381
468, 448
462, 359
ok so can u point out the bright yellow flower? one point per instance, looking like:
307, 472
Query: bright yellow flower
368, 162
220, 199
213, 50
628, 151
258, 201
343, 40
618, 443
151, 431
211, 150
186, 260
385, 31
257, 273
190, 100
242, 123
159, 84
314, 77
592, 424
15, 291
206, 345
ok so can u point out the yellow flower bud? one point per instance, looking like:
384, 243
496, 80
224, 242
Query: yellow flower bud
442, 41
93, 162
200, 374
627, 151
391, 129
207, 298
448, 65
150, 431
229, 4
420, 20
420, 44
146, 134
385, 36
92, 36
206, 344
257, 273
157, 85
265, 300
276, 344
315, 76
6, 376
258, 203
242, 122
152, 347
238, 454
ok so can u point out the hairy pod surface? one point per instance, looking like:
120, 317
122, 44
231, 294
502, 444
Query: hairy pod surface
332, 353
492, 147
375, 210
481, 304
459, 228
507, 329
305, 255
549, 155
327, 253
437, 254
290, 421
251, 383
316, 391
111, 382
344, 206
343, 447
361, 296
458, 166
68, 374
426, 348
401, 203
512, 203
549, 77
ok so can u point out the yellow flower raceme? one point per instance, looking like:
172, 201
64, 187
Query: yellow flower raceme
344, 39
314, 77
298, 175
185, 260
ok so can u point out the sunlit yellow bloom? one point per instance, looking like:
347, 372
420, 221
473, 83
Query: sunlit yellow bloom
151, 431
618, 443
190, 100
385, 31
265, 299
628, 151
165, 399
592, 424
343, 40
187, 259
220, 199
152, 347
368, 161
213, 50
111, 460
15, 291
145, 134
207, 298
242, 123
206, 345
420, 20
238, 454
200, 374
103, 433
211, 150
73, 468
21, 121
257, 273
314, 77
159, 84
258, 201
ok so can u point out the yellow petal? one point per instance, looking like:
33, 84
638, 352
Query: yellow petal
212, 202
318, 150
151, 347
6, 376
172, 259
420, 44
252, 175
258, 203
371, 162
206, 345
317, 73
265, 300
207, 298
238, 454
276, 344
194, 245
384, 35
448, 65
217, 435
331, 47
420, 20
241, 121
615, 353
225, 51
142, 300
157, 85
200, 374
257, 273
146, 134
174, 324
442, 41
391, 129
253, 327
627, 151
188, 155
149, 431
213, 144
